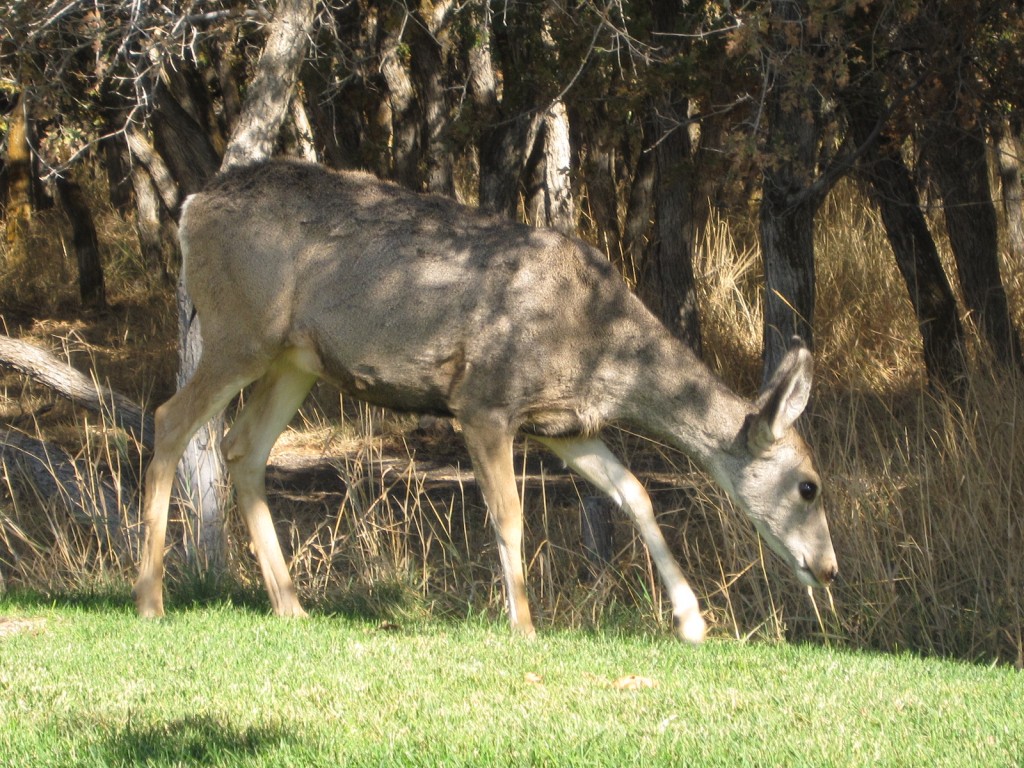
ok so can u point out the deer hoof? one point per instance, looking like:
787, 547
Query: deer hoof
148, 605
525, 631
690, 626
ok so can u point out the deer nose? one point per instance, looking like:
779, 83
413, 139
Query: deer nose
828, 574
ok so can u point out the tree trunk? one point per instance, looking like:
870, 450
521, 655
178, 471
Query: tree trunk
153, 185
503, 157
182, 143
272, 87
787, 246
337, 127
893, 191
119, 172
639, 209
202, 479
226, 62
666, 282
549, 199
403, 121
44, 368
155, 244
160, 175
507, 131
534, 207
430, 41
1009, 158
560, 204
599, 174
788, 206
19, 184
87, 247
303, 139
958, 158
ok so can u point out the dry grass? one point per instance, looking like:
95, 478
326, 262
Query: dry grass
379, 515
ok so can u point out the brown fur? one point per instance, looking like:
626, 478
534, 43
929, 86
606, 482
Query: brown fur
418, 303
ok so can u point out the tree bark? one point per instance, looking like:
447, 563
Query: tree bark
225, 60
160, 175
119, 172
430, 44
599, 175
403, 122
19, 184
272, 87
560, 203
183, 144
549, 197
202, 478
666, 281
958, 158
1009, 160
892, 189
87, 248
154, 185
507, 130
41, 366
155, 244
303, 139
787, 245
639, 209
788, 206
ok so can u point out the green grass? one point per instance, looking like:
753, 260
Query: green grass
223, 685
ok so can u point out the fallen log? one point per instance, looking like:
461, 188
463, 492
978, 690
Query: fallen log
46, 369
53, 474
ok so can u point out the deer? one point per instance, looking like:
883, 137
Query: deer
421, 304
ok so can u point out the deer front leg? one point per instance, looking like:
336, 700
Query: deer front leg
593, 461
246, 448
490, 448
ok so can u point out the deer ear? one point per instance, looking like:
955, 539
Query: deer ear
783, 400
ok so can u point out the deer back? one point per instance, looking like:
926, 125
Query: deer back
412, 301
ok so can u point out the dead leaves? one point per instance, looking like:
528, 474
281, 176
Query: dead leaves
634, 683
12, 625
624, 683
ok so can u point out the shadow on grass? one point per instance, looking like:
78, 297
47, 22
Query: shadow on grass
195, 740
384, 601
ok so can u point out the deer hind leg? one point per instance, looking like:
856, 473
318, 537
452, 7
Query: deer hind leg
208, 392
490, 448
593, 461
246, 448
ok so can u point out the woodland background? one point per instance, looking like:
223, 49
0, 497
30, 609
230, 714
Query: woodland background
846, 171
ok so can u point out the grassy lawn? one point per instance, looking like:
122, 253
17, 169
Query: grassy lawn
223, 685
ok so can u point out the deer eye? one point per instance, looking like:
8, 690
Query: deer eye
808, 490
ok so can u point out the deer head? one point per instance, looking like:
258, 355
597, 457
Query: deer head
769, 472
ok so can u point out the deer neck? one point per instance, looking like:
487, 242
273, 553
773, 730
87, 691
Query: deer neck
675, 396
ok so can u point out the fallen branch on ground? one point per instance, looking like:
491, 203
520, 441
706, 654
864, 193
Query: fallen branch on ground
45, 368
